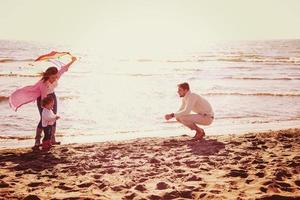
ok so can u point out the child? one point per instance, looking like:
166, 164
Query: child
48, 120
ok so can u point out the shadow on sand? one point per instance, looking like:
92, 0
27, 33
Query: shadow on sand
34, 161
205, 147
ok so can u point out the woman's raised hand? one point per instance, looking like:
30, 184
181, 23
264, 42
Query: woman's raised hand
74, 58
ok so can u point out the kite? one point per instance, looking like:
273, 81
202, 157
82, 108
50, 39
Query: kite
51, 55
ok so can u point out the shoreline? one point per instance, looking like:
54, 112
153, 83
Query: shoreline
8, 142
263, 165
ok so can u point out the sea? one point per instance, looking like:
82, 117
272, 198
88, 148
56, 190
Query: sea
251, 85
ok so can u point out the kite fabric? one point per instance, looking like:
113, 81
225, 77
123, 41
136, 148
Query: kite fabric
30, 93
52, 55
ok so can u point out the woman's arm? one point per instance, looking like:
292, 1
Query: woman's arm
65, 68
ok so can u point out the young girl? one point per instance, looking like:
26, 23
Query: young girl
43, 88
48, 121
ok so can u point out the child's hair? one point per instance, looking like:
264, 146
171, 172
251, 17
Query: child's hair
50, 71
47, 100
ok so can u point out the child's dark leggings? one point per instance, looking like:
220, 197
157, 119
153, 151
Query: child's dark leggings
38, 102
47, 132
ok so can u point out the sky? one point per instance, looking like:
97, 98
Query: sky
148, 24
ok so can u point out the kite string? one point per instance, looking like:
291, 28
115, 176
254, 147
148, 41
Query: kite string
57, 63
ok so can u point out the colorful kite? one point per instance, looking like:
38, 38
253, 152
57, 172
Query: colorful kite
52, 55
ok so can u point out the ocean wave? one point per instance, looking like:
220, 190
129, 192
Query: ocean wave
68, 97
16, 137
239, 117
252, 94
264, 60
3, 98
275, 120
19, 75
179, 61
261, 78
11, 60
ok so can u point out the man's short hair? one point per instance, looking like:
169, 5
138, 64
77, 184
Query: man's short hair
47, 100
184, 86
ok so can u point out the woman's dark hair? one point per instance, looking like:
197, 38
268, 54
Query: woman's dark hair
47, 100
50, 71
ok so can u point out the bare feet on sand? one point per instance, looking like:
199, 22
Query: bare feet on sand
199, 135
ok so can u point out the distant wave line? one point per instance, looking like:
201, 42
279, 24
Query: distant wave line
252, 94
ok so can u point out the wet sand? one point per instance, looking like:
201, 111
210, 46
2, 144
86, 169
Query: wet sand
252, 166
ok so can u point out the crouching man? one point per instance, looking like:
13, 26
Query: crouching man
191, 102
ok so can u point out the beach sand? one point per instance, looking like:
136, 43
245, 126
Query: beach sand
252, 166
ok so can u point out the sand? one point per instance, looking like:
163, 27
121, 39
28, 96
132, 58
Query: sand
252, 166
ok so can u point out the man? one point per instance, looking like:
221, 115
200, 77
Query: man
204, 114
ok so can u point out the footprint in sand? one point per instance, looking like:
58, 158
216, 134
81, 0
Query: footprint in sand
3, 184
260, 167
64, 187
194, 178
215, 191
162, 186
118, 188
297, 183
177, 163
171, 195
276, 196
31, 197
85, 184
263, 189
260, 174
155, 197
192, 164
280, 174
35, 184
97, 176
142, 180
2, 176
249, 181
140, 188
186, 194
154, 160
129, 196
258, 161
238, 173
103, 186
285, 186
179, 171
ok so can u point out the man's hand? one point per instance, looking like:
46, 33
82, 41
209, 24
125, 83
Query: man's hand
169, 116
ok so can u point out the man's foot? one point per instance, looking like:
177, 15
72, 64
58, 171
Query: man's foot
199, 135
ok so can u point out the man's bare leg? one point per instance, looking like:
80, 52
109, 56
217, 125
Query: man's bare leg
199, 134
190, 124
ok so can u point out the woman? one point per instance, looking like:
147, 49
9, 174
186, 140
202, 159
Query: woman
43, 88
